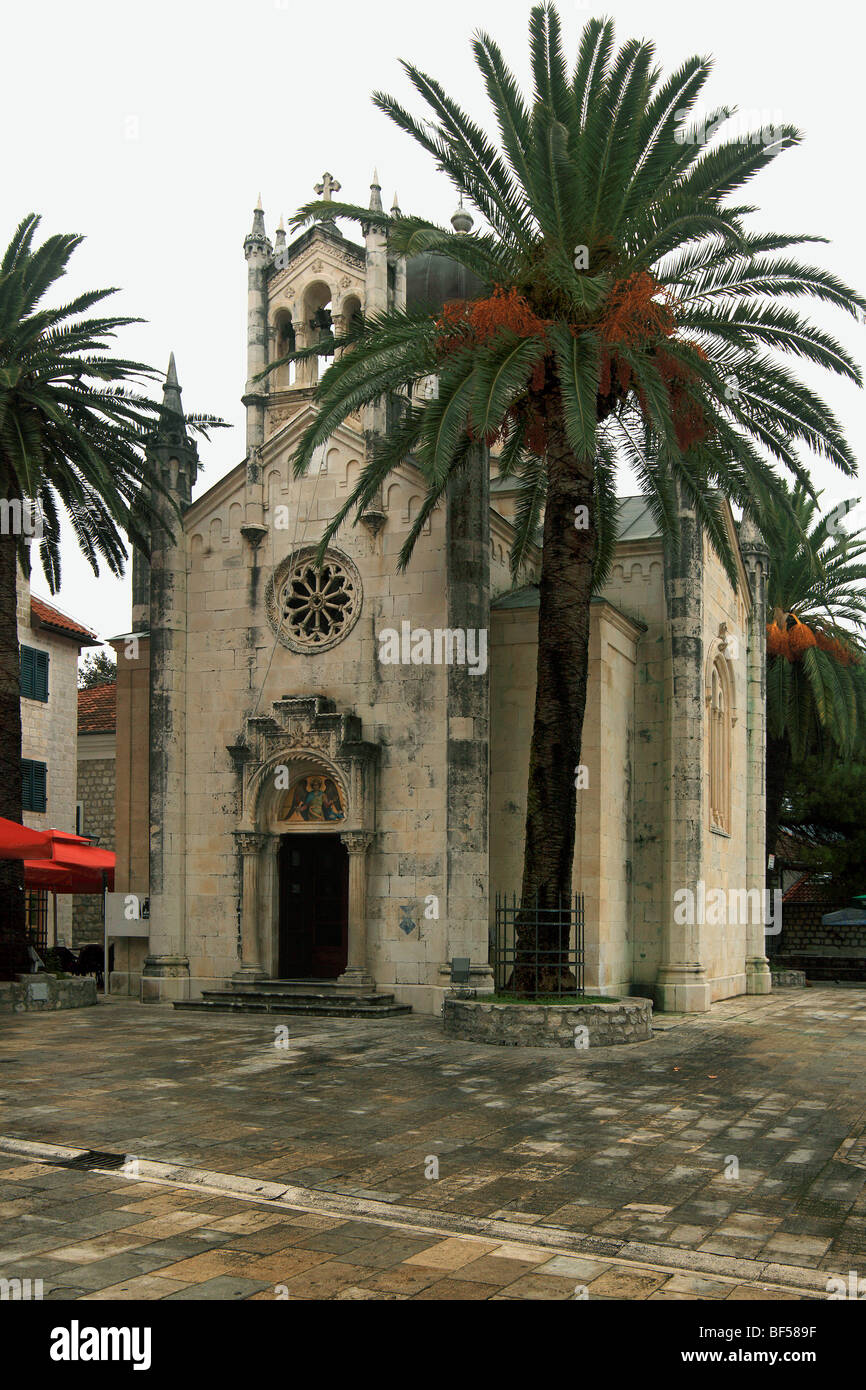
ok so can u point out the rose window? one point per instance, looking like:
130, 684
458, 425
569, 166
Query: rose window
314, 607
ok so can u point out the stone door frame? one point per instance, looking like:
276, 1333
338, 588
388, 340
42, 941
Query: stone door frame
307, 737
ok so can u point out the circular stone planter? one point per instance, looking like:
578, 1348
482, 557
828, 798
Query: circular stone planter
549, 1025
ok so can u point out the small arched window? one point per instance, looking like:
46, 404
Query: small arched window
719, 711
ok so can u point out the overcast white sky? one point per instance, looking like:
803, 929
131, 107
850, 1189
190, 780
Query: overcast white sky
151, 128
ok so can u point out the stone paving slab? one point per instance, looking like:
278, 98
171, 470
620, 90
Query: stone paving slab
724, 1137
241, 1252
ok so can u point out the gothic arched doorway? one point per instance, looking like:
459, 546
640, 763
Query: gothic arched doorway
314, 906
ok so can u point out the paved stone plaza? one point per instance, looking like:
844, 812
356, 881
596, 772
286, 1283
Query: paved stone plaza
725, 1158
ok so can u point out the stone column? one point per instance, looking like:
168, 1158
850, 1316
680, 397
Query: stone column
682, 984
251, 847
303, 370
467, 521
357, 843
376, 297
756, 559
257, 251
166, 971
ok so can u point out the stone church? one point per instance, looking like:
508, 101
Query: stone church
292, 805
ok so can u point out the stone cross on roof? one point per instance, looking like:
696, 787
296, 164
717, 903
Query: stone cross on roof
328, 186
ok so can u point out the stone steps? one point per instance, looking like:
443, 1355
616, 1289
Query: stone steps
315, 999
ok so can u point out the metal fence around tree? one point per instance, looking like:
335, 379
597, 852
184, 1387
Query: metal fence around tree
538, 950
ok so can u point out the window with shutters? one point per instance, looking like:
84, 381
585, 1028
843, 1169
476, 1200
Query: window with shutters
34, 785
34, 674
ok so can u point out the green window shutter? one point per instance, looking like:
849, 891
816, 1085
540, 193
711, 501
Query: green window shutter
40, 790
42, 676
27, 655
33, 785
34, 674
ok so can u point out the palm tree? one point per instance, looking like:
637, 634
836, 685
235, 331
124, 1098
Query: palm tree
816, 642
628, 313
73, 430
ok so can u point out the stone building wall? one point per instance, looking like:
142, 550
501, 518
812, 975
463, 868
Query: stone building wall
725, 854
131, 828
48, 734
603, 831
235, 667
636, 588
803, 931
96, 793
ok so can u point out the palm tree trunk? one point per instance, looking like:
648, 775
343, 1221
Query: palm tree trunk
565, 593
778, 766
13, 946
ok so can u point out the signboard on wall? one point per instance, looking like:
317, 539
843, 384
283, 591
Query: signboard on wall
125, 915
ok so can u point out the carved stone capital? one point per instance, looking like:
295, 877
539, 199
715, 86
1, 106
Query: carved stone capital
250, 841
357, 841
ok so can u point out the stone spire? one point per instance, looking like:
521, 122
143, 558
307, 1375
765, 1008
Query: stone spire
171, 390
376, 193
280, 238
750, 537
256, 241
257, 250
171, 443
395, 208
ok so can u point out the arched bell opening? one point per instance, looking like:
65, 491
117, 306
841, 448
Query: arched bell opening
284, 342
318, 323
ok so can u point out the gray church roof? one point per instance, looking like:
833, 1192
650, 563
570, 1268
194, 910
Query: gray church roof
527, 597
636, 521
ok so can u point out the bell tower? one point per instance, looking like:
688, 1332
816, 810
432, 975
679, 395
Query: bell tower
174, 460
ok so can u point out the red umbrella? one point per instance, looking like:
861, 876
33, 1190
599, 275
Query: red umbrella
80, 867
87, 857
75, 866
20, 842
65, 878
40, 873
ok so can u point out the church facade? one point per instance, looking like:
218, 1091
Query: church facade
322, 772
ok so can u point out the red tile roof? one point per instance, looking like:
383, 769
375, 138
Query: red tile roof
58, 622
97, 709
812, 890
